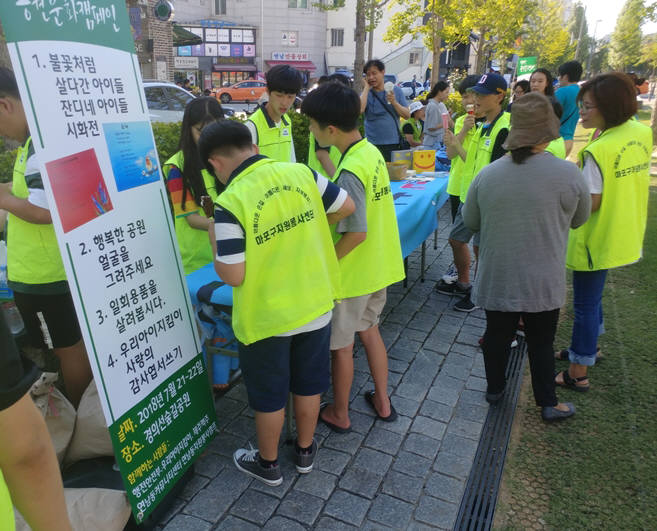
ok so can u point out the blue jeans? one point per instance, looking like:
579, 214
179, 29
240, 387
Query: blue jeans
588, 323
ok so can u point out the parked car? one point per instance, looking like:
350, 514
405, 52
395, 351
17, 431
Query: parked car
166, 101
390, 77
248, 90
407, 88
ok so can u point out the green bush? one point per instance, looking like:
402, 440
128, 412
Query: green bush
454, 104
300, 134
7, 159
166, 136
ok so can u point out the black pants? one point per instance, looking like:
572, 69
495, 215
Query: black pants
539, 332
454, 202
387, 149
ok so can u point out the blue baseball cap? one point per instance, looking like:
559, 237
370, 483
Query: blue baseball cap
490, 84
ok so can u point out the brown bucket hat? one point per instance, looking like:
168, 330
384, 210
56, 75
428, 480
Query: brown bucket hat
533, 122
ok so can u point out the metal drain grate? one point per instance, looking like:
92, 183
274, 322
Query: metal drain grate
478, 504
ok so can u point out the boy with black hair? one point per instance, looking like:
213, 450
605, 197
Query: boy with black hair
569, 75
270, 129
324, 159
35, 270
368, 249
486, 146
272, 242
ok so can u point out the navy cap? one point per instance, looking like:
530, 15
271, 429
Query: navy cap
490, 84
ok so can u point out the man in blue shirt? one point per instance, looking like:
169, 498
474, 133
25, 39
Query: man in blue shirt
382, 109
569, 75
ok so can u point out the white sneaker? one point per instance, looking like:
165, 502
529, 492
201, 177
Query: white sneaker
450, 275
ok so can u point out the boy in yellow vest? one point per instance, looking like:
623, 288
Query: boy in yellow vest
368, 248
270, 129
272, 242
485, 147
34, 266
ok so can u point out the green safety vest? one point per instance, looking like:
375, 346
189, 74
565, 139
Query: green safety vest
377, 262
457, 163
417, 128
7, 522
32, 253
557, 147
480, 151
292, 274
273, 141
613, 235
194, 245
313, 162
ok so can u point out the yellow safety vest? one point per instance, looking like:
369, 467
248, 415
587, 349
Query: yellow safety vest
377, 262
273, 141
33, 257
557, 147
613, 235
194, 245
292, 274
457, 163
313, 162
7, 522
480, 151
417, 128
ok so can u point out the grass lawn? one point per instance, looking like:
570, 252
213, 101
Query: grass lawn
599, 469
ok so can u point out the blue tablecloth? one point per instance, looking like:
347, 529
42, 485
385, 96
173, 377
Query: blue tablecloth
416, 205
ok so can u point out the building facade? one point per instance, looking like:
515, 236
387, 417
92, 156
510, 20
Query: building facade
407, 58
153, 40
244, 38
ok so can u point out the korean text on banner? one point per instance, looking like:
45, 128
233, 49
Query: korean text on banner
82, 92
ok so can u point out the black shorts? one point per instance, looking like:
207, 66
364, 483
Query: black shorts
276, 366
58, 313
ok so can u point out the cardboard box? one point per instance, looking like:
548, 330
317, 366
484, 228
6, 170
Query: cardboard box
402, 154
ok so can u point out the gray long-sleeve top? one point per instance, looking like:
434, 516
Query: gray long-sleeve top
524, 212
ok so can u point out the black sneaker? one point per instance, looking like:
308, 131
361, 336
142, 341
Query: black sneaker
304, 461
248, 461
451, 289
465, 305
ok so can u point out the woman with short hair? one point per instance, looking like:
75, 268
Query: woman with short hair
616, 165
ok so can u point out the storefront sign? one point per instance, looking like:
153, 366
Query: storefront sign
183, 63
290, 56
87, 114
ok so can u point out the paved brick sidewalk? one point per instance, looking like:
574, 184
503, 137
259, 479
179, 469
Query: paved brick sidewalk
409, 474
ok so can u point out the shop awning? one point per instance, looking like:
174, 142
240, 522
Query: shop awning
299, 65
234, 68
182, 37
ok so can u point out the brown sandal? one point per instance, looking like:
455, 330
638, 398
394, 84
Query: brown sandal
572, 383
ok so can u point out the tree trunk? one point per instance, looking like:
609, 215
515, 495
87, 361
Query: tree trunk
359, 60
4, 52
370, 44
653, 122
479, 67
437, 40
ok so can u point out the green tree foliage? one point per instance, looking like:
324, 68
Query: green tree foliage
497, 23
649, 53
625, 46
545, 35
581, 42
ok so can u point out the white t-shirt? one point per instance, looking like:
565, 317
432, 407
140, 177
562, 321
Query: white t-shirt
592, 174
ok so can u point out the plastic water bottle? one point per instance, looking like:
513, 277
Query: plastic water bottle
13, 317
4, 288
